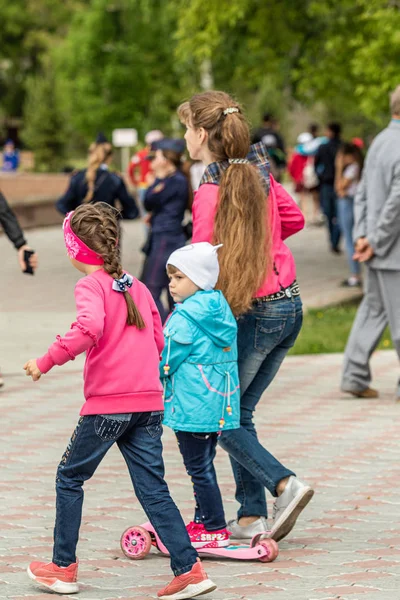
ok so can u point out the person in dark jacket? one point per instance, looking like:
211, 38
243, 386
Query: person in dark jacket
268, 134
98, 184
324, 165
13, 231
166, 199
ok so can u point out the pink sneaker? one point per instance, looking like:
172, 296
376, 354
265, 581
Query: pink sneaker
193, 526
61, 580
189, 585
201, 538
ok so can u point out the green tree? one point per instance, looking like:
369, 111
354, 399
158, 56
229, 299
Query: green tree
356, 56
343, 52
118, 66
29, 28
45, 129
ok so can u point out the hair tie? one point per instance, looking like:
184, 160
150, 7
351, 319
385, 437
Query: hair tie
230, 110
120, 285
238, 161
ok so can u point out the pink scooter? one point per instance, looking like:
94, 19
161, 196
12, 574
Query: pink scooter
136, 543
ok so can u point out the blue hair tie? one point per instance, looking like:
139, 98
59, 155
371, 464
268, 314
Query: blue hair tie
120, 285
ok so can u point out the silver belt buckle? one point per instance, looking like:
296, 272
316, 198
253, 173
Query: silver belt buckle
288, 292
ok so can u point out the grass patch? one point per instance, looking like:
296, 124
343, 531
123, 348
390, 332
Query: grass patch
326, 330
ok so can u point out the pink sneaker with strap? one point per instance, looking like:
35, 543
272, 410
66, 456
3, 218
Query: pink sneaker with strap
201, 538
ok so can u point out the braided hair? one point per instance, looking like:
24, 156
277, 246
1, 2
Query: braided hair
97, 226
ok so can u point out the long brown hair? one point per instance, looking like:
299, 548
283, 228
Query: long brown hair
97, 226
98, 154
241, 220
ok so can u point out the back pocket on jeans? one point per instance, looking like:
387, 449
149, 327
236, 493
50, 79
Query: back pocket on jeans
110, 427
268, 333
154, 424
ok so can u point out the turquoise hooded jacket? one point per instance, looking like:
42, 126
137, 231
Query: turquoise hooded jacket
201, 385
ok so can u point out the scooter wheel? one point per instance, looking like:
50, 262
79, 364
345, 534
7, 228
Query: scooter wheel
272, 548
136, 543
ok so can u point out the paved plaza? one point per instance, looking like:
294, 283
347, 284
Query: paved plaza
346, 544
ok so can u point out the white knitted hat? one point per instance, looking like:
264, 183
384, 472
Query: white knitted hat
199, 262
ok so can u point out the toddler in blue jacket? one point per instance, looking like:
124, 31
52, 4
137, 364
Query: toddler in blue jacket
201, 380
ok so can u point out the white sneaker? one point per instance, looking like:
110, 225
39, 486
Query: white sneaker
288, 506
246, 532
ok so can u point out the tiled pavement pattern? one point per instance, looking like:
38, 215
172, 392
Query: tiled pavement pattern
345, 546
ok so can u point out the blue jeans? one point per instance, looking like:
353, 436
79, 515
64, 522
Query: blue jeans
328, 204
139, 440
198, 451
265, 335
346, 222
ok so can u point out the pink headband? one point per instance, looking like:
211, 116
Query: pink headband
76, 248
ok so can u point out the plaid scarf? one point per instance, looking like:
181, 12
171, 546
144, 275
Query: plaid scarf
257, 156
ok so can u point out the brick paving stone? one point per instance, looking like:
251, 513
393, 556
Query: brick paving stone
346, 545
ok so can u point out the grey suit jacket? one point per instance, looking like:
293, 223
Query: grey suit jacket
377, 202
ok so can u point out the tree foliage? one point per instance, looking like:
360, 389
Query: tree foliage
343, 52
45, 129
128, 63
117, 62
28, 31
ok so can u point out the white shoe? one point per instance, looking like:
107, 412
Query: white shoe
246, 532
288, 506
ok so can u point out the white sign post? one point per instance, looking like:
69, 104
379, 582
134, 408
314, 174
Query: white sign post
124, 139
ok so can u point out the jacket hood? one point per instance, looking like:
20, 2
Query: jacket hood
211, 313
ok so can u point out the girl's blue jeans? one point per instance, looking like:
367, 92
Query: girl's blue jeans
345, 208
198, 451
265, 335
138, 437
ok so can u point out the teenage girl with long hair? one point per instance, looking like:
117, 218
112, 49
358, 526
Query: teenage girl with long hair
97, 183
119, 327
240, 205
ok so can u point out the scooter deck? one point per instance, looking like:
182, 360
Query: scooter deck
143, 537
254, 551
236, 552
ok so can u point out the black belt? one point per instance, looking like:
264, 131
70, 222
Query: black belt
292, 290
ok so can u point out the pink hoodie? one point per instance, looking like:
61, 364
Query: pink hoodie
121, 373
285, 219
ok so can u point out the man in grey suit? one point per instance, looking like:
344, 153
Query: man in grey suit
377, 243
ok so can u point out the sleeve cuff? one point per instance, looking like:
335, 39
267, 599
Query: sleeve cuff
19, 243
372, 242
45, 363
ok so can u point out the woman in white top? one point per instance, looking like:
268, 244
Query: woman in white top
349, 162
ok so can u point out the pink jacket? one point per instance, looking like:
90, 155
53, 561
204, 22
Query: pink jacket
285, 219
121, 373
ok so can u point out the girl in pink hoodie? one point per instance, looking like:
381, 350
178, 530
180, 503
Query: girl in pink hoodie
119, 327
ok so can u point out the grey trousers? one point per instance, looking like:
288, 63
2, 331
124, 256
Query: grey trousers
379, 307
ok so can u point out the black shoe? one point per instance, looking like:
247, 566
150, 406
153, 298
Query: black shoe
336, 250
